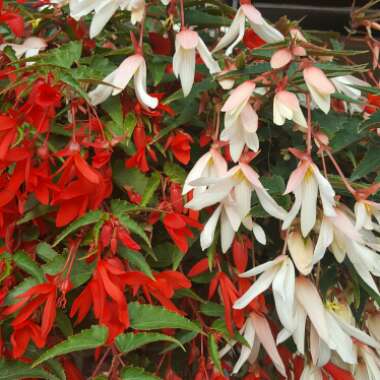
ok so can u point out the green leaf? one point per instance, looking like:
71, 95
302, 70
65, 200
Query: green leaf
37, 211
87, 339
81, 272
137, 260
369, 163
148, 317
55, 266
16, 370
6, 260
64, 56
46, 252
136, 373
151, 187
64, 323
89, 218
131, 341
22, 287
213, 349
212, 309
24, 262
175, 172
132, 226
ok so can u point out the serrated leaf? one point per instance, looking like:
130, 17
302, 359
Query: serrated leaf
22, 287
89, 218
16, 370
214, 353
137, 373
137, 260
133, 226
64, 56
151, 187
81, 272
175, 172
369, 164
212, 309
87, 339
149, 317
46, 251
131, 341
24, 262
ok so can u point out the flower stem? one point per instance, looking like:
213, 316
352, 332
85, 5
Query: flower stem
182, 14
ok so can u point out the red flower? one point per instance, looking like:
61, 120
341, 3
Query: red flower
139, 159
240, 247
71, 370
228, 293
373, 103
8, 134
13, 20
105, 292
112, 232
180, 146
162, 287
177, 227
30, 302
23, 334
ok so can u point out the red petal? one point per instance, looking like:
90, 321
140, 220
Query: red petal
200, 267
85, 169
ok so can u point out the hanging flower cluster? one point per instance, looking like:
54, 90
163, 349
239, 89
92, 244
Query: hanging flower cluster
187, 191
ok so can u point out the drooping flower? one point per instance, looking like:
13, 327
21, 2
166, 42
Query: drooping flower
211, 164
338, 233
256, 331
301, 250
305, 182
287, 107
115, 82
187, 43
365, 210
346, 85
236, 30
240, 121
233, 193
319, 86
179, 144
104, 10
283, 56
280, 274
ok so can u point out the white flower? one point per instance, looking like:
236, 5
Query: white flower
211, 164
280, 274
240, 130
133, 66
233, 192
346, 85
104, 10
305, 182
286, 107
256, 331
187, 42
368, 367
339, 234
29, 48
137, 9
373, 325
364, 211
301, 249
236, 31
319, 86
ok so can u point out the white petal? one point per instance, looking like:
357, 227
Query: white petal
262, 267
227, 232
233, 31
259, 286
185, 59
207, 58
102, 91
207, 234
196, 172
267, 32
290, 216
325, 238
259, 233
326, 191
309, 204
249, 335
101, 17
143, 97
301, 251
323, 101
269, 204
